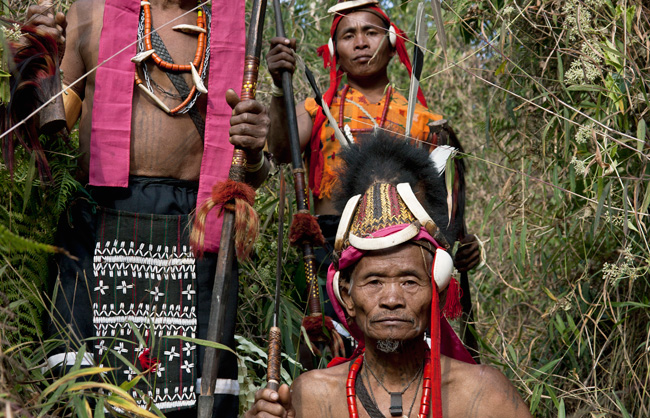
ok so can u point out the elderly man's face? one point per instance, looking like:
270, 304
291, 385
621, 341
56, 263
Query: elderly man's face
390, 298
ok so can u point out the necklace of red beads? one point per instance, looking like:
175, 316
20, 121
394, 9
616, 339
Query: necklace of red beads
199, 55
351, 393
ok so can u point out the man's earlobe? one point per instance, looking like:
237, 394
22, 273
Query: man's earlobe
348, 304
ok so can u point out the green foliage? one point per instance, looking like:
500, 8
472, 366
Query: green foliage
258, 276
29, 210
557, 154
550, 101
251, 360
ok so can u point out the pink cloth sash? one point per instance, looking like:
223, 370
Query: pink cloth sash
111, 124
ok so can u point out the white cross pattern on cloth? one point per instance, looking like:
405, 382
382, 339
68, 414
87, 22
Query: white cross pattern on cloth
187, 366
172, 353
156, 293
101, 287
189, 292
120, 348
188, 348
101, 347
123, 287
129, 373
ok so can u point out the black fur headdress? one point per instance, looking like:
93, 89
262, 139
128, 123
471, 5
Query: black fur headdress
382, 157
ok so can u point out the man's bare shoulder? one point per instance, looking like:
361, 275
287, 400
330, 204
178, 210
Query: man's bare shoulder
86, 17
479, 391
321, 393
86, 7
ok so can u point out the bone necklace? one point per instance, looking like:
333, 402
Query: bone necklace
146, 51
351, 394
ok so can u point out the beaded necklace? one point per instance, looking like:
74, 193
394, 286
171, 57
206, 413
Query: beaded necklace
200, 62
200, 46
351, 393
384, 113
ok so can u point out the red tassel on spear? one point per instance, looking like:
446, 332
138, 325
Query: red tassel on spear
240, 221
304, 231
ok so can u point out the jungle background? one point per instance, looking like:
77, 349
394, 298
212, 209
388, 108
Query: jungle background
550, 101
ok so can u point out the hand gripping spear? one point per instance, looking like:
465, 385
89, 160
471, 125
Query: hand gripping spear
234, 189
304, 229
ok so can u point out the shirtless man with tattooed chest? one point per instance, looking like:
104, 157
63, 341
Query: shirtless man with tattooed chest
161, 146
153, 211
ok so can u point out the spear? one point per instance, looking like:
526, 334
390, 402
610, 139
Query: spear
304, 228
436, 5
418, 61
275, 341
235, 188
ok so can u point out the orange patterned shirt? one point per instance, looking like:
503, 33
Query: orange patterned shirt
357, 119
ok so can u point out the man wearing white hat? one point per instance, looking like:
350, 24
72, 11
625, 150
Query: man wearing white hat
391, 268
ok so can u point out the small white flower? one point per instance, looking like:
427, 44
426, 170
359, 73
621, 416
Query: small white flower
580, 166
583, 134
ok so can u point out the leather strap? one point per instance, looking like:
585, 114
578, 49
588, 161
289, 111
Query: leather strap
362, 395
179, 82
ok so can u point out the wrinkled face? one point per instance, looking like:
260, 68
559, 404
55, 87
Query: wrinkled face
390, 297
360, 36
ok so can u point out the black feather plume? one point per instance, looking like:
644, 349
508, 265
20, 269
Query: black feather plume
382, 157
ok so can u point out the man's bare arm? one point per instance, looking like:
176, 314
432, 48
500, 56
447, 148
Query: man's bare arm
496, 397
280, 58
73, 65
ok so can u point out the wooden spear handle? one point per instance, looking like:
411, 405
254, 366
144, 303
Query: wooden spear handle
275, 340
248, 91
273, 378
313, 291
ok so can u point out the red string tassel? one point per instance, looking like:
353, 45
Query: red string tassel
314, 326
453, 308
305, 230
247, 226
147, 361
246, 219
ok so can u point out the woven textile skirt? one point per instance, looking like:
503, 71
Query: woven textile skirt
136, 291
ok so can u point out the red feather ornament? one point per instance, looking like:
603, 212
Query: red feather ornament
34, 80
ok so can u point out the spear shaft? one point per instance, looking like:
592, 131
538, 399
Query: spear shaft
275, 337
420, 41
436, 5
313, 301
226, 256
